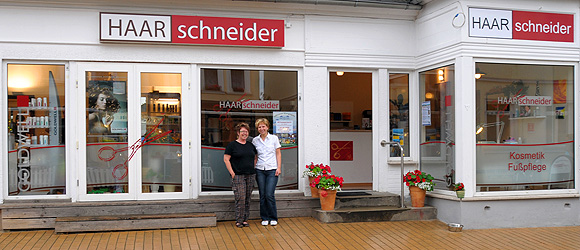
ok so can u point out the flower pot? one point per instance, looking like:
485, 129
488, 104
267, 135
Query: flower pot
313, 190
417, 196
327, 199
460, 194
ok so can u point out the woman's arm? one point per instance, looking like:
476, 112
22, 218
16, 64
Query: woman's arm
229, 165
278, 161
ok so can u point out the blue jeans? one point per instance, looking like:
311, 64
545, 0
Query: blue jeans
267, 181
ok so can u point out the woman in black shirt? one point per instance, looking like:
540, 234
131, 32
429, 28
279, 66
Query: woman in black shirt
240, 158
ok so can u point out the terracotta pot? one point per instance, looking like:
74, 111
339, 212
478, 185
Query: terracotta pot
460, 194
313, 190
327, 199
417, 196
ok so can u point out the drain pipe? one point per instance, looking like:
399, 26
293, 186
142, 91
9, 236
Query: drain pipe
384, 144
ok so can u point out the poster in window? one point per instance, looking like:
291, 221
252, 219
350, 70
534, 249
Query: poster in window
426, 113
559, 91
285, 128
107, 107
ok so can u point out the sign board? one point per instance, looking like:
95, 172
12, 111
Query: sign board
521, 25
178, 29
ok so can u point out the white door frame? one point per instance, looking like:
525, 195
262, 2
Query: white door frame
133, 108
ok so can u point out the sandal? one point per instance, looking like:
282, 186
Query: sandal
245, 224
239, 225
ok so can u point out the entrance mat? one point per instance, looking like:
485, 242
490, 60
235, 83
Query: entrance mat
352, 193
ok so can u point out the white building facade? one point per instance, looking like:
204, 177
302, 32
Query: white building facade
106, 101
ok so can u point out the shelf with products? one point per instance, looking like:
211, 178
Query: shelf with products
33, 125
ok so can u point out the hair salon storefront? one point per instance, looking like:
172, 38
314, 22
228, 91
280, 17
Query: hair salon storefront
109, 104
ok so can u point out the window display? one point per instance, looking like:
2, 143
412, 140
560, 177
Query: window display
525, 135
108, 151
161, 129
251, 94
36, 129
399, 112
437, 141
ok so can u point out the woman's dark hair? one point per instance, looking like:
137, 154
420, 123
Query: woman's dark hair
113, 104
240, 126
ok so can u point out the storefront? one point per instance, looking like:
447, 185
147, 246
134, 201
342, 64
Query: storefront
113, 103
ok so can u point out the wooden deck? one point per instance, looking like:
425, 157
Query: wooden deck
303, 233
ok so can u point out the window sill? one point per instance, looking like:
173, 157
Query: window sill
505, 197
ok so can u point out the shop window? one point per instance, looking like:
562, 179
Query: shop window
36, 129
161, 130
525, 127
266, 94
399, 112
107, 142
437, 116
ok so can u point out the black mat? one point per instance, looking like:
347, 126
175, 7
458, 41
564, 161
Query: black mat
352, 193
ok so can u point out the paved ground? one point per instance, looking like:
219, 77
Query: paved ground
304, 233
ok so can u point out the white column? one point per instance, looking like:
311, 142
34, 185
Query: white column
315, 120
465, 124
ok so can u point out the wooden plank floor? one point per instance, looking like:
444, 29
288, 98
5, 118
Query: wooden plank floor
303, 233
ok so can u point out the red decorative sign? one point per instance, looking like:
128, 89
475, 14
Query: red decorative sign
542, 26
227, 31
341, 151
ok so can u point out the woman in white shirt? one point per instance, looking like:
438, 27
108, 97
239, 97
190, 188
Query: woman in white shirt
268, 168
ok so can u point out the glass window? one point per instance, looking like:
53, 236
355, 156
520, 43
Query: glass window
399, 112
437, 113
107, 147
161, 132
525, 127
264, 94
36, 129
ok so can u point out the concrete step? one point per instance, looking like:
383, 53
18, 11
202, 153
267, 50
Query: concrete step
378, 213
371, 199
133, 222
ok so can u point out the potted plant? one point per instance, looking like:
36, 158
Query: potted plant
327, 186
419, 183
459, 189
312, 171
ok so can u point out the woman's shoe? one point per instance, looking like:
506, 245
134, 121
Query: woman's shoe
264, 223
245, 224
239, 225
273, 223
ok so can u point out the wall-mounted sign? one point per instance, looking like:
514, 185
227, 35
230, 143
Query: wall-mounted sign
192, 30
341, 150
521, 25
251, 104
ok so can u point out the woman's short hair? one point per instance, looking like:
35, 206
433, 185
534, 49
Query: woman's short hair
242, 125
263, 120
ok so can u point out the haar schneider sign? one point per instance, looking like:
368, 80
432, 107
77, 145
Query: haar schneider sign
192, 30
521, 25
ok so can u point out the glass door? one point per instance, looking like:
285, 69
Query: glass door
162, 172
130, 142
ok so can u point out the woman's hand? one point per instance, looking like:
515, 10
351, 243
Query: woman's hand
108, 119
278, 171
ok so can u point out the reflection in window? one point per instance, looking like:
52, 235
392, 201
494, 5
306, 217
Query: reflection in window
36, 129
525, 127
275, 99
161, 130
107, 147
437, 141
399, 112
